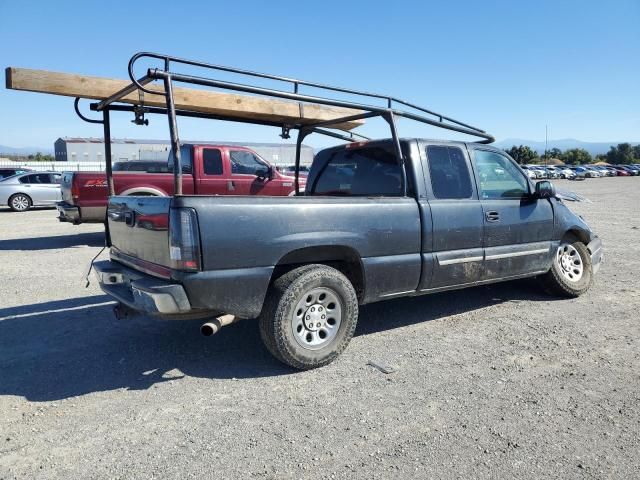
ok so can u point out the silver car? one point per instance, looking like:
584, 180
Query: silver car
21, 192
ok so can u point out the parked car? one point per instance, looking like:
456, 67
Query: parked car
10, 172
207, 170
540, 173
595, 173
635, 170
303, 265
529, 172
566, 172
604, 171
623, 172
612, 171
25, 190
582, 171
552, 172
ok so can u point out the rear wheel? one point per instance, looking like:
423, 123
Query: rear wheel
20, 202
571, 273
309, 316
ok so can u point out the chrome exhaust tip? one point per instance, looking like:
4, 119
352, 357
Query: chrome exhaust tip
211, 328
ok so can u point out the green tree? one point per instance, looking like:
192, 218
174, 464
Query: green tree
552, 153
576, 156
522, 154
622, 154
636, 153
39, 157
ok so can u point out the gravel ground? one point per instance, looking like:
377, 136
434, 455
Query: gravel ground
491, 382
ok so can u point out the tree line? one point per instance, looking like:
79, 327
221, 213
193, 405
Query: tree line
38, 157
621, 154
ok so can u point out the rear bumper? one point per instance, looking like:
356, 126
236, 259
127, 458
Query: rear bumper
597, 253
74, 214
68, 212
141, 292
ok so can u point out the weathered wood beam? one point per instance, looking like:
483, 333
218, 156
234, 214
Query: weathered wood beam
195, 100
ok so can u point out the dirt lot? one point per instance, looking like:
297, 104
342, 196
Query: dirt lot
491, 382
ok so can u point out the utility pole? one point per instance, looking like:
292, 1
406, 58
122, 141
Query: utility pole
546, 145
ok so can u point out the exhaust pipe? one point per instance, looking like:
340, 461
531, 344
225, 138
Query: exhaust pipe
211, 328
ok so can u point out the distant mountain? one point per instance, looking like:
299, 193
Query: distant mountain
24, 150
594, 148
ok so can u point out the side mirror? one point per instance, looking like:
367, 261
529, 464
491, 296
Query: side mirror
264, 172
545, 189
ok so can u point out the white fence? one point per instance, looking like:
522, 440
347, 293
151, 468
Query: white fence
55, 166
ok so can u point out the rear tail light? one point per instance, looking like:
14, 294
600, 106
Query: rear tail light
184, 239
75, 189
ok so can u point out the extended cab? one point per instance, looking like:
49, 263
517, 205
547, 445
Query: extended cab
207, 170
466, 215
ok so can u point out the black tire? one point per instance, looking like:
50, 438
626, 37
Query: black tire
281, 310
20, 202
556, 281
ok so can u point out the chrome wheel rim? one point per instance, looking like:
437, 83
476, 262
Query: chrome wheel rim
20, 202
569, 262
316, 319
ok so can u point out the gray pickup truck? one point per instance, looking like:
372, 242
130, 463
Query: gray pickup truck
302, 265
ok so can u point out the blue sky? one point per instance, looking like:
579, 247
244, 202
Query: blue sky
508, 67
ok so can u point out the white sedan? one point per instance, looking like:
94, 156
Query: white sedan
23, 191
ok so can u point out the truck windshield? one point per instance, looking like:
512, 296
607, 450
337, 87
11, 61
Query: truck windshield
362, 171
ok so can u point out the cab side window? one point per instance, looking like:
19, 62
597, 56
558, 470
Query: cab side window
370, 171
450, 177
212, 161
499, 177
244, 162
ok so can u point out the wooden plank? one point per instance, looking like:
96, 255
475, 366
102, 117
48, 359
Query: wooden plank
202, 101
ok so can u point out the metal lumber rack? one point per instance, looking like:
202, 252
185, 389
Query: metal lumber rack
169, 77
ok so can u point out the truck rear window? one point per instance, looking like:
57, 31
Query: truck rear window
212, 161
365, 171
450, 177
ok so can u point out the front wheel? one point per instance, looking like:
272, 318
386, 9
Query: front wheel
20, 202
571, 272
309, 316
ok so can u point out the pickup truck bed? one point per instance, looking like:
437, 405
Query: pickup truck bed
471, 216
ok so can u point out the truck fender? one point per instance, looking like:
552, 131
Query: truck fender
341, 257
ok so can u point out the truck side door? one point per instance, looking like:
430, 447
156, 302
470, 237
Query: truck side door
454, 245
518, 228
244, 178
211, 178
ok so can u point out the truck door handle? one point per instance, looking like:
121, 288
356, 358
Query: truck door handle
231, 186
492, 216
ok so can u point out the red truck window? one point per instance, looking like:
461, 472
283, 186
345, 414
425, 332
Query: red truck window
212, 161
244, 162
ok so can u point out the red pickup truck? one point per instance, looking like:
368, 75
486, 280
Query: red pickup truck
207, 170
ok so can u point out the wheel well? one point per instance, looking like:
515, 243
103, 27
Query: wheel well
142, 191
141, 194
22, 193
578, 234
344, 259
